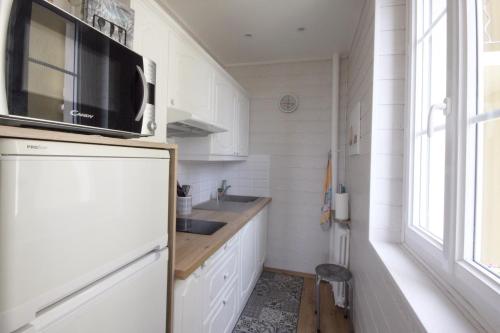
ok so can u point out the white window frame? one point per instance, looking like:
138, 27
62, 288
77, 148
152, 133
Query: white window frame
470, 286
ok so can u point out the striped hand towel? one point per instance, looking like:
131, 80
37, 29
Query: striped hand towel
326, 209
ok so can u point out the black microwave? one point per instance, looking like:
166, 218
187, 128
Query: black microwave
59, 72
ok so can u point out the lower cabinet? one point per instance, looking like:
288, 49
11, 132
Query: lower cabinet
261, 236
248, 258
211, 299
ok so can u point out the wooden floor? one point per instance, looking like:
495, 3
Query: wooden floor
332, 318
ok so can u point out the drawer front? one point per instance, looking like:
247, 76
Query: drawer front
223, 318
220, 276
217, 256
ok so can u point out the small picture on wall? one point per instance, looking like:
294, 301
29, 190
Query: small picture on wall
111, 18
354, 129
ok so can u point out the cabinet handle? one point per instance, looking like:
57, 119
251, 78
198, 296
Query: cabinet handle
172, 101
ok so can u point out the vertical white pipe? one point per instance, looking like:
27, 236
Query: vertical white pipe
335, 117
334, 139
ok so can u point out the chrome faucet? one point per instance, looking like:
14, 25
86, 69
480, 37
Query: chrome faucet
222, 190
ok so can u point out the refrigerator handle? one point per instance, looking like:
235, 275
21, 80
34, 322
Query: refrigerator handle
57, 311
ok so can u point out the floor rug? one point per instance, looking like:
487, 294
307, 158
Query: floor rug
273, 306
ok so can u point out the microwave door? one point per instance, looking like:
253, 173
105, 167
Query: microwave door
41, 72
110, 86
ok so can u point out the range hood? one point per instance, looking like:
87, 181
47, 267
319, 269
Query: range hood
184, 124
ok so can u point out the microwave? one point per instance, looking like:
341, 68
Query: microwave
59, 72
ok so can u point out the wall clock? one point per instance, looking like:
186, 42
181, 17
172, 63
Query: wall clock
289, 103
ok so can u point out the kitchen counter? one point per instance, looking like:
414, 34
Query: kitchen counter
192, 250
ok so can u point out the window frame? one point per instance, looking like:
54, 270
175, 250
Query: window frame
432, 250
471, 287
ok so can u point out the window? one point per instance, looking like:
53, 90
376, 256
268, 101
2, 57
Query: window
429, 131
486, 134
453, 150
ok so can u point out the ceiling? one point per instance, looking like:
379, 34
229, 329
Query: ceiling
220, 26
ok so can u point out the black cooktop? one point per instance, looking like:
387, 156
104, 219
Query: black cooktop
199, 227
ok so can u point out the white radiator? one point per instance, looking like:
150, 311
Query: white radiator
340, 257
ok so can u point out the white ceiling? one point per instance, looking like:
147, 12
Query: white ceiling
220, 25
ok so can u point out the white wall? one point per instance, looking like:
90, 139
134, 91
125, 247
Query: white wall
388, 114
297, 145
375, 76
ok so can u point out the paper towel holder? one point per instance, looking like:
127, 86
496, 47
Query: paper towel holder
346, 223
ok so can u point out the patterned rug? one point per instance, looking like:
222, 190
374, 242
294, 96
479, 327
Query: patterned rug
273, 306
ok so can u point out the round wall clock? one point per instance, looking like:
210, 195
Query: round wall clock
289, 103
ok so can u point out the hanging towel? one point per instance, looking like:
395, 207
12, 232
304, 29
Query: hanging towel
326, 209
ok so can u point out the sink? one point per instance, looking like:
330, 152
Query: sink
199, 227
231, 203
239, 198
225, 206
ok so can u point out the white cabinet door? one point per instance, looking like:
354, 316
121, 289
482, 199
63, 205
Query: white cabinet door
243, 128
261, 220
151, 40
226, 313
225, 115
190, 78
188, 307
248, 260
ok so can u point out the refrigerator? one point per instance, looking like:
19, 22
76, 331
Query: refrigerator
83, 238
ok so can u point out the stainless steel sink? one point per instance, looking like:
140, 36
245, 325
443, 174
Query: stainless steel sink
199, 227
225, 206
239, 198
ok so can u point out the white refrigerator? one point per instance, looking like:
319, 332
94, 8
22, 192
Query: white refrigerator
83, 238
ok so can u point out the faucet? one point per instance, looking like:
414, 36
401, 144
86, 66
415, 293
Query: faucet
222, 190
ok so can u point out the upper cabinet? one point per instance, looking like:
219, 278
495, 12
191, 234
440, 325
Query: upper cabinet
188, 79
226, 100
243, 133
191, 78
231, 110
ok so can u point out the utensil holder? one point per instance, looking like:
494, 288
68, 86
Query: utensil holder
184, 205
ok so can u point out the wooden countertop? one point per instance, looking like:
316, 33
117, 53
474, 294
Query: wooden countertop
50, 135
192, 250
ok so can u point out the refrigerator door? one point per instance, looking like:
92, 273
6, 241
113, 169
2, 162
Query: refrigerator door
131, 300
71, 214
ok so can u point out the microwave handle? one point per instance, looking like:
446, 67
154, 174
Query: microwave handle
145, 95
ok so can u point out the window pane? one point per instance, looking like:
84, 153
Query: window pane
438, 7
487, 222
430, 89
487, 233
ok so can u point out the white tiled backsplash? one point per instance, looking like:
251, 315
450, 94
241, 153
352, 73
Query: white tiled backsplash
250, 177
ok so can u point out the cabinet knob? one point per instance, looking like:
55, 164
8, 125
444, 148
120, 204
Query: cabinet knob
224, 302
225, 276
172, 101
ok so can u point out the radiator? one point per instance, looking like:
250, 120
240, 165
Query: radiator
340, 257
